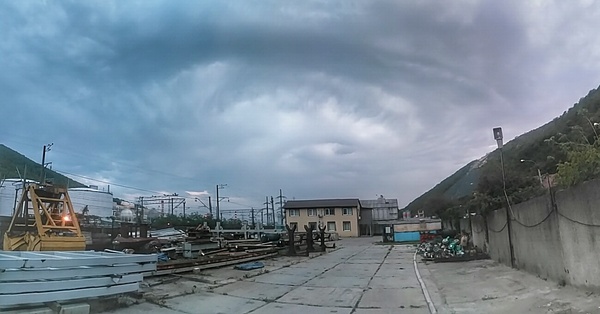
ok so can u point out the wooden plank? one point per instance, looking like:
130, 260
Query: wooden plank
61, 284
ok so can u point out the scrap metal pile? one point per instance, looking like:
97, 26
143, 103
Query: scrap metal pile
449, 249
193, 254
441, 248
233, 252
199, 248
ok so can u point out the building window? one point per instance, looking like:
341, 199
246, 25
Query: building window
331, 226
293, 224
312, 211
329, 211
346, 226
313, 225
347, 211
294, 212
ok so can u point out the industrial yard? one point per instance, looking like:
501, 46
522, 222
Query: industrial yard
216, 270
358, 277
49, 263
364, 277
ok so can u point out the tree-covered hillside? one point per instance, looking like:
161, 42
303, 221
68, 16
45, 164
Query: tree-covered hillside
566, 151
15, 165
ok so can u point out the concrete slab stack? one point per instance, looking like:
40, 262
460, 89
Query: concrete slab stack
39, 277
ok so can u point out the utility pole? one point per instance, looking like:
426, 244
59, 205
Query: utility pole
220, 187
267, 204
43, 172
262, 216
140, 207
210, 208
273, 210
253, 226
280, 202
498, 136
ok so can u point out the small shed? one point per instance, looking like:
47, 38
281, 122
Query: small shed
410, 230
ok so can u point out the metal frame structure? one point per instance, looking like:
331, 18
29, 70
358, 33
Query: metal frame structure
44, 220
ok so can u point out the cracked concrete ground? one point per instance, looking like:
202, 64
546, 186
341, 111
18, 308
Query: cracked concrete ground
360, 277
488, 287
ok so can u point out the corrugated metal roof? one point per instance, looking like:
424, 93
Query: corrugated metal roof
381, 202
324, 203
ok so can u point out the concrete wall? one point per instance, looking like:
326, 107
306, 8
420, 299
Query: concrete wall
560, 243
536, 239
464, 225
498, 236
579, 233
478, 231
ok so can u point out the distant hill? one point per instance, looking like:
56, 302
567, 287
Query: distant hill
454, 187
11, 160
538, 147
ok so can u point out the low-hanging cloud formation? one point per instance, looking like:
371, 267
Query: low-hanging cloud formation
322, 99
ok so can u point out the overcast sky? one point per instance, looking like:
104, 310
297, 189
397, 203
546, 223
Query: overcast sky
323, 99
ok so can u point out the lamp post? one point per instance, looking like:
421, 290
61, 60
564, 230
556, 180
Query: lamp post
538, 170
499, 140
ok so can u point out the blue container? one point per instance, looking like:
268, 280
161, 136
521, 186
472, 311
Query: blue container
407, 236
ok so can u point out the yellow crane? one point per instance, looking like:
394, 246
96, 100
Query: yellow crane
44, 221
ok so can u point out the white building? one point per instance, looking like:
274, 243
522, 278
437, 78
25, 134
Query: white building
99, 203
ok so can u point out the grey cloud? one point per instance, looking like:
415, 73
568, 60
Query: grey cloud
322, 99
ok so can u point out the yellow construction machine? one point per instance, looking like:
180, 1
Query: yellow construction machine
44, 221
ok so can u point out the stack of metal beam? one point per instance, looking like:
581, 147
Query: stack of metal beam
38, 277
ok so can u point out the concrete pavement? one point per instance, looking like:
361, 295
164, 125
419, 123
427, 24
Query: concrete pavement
360, 277
363, 278
488, 287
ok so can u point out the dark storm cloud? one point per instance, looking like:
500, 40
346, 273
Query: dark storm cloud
322, 99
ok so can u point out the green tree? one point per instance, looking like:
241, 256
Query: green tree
583, 163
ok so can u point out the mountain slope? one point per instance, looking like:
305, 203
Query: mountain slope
542, 148
11, 160
459, 184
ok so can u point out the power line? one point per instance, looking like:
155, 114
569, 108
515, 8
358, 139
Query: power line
536, 224
249, 206
498, 231
107, 182
576, 221
67, 152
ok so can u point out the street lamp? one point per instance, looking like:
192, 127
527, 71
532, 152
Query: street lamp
538, 170
499, 140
